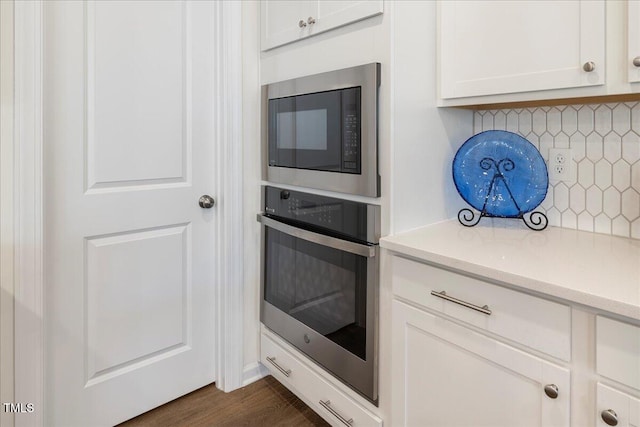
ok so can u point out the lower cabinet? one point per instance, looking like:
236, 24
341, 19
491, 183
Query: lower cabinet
445, 374
616, 408
329, 400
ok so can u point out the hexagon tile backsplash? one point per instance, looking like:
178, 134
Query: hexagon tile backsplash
603, 195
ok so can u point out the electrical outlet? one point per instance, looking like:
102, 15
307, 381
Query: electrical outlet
559, 165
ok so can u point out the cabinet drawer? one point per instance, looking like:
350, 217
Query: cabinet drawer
312, 388
535, 322
615, 406
618, 351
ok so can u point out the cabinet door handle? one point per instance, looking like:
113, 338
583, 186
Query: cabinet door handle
551, 390
636, 61
311, 20
302, 24
327, 405
442, 294
285, 372
589, 66
610, 417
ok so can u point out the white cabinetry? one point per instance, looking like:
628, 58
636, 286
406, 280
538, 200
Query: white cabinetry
616, 408
618, 359
330, 400
633, 44
497, 52
495, 47
459, 372
287, 21
449, 375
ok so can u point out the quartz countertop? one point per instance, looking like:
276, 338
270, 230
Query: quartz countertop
595, 270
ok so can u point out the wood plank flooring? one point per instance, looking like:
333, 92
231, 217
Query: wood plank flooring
263, 403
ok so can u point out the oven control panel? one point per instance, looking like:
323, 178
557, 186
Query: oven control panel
345, 217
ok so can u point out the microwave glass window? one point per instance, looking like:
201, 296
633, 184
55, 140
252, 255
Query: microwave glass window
316, 131
322, 287
302, 130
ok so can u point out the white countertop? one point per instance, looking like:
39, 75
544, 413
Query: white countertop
596, 270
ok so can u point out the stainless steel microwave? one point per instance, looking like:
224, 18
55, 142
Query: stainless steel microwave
321, 131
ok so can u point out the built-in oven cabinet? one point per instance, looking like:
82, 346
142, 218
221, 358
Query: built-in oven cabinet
338, 405
287, 21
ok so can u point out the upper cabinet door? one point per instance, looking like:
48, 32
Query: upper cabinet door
634, 41
335, 13
497, 47
284, 21
287, 21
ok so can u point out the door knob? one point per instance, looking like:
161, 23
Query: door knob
636, 61
206, 202
302, 24
589, 66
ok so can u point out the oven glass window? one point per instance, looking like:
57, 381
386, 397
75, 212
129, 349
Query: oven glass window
322, 287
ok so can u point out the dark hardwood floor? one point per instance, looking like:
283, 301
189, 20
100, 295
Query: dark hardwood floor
263, 403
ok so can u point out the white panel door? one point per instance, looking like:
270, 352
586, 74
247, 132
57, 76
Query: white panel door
633, 35
447, 375
494, 47
129, 254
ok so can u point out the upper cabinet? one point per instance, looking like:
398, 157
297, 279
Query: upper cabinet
286, 21
633, 34
496, 47
492, 52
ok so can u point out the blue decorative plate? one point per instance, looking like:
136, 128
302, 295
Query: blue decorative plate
500, 174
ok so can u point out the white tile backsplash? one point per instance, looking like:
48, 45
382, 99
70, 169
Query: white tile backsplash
604, 194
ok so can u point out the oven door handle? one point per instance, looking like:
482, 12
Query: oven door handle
321, 239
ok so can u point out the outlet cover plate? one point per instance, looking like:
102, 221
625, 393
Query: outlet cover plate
560, 165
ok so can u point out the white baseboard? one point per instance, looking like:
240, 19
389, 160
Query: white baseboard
253, 372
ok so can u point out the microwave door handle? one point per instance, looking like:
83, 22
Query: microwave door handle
321, 239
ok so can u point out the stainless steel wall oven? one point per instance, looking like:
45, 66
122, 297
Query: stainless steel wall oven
321, 131
320, 263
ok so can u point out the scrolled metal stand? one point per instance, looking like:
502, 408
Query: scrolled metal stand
534, 220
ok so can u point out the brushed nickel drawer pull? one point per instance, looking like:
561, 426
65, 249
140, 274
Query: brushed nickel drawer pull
327, 405
442, 294
285, 372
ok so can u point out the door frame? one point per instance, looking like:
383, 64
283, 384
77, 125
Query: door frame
28, 208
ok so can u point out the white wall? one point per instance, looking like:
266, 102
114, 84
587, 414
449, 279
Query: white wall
425, 138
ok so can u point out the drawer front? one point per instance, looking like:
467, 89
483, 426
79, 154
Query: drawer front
333, 405
618, 351
535, 322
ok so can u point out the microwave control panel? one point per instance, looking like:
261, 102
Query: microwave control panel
350, 141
